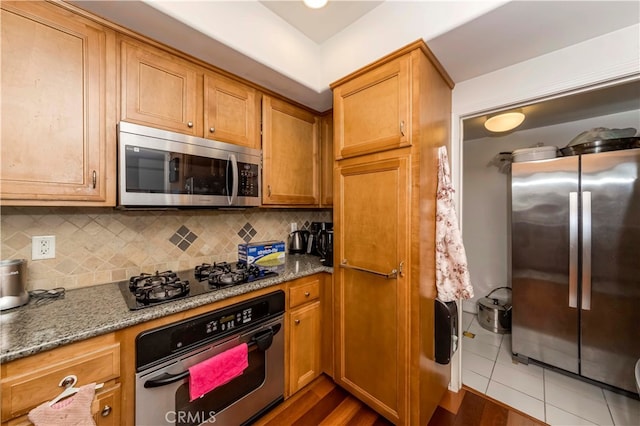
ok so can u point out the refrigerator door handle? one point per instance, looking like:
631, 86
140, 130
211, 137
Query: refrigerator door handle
586, 251
573, 249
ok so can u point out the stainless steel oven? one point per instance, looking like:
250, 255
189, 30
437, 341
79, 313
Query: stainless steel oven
165, 354
157, 168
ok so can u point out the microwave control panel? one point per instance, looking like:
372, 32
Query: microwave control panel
249, 175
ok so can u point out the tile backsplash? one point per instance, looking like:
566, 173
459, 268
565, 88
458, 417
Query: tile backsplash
100, 245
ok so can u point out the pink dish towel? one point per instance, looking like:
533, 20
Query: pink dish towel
218, 370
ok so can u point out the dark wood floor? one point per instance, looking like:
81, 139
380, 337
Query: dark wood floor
324, 403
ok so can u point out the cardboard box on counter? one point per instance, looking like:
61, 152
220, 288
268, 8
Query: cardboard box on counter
267, 254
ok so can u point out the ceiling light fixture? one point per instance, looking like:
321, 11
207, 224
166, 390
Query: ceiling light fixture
315, 4
504, 122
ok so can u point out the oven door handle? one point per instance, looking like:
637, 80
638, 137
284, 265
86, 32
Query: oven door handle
262, 340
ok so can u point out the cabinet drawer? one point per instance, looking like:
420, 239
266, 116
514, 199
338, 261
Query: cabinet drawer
40, 382
303, 293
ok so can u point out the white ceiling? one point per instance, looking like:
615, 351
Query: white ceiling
298, 52
320, 24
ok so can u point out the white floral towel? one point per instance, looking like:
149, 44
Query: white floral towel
452, 274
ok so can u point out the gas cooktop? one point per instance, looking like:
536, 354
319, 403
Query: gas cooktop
146, 290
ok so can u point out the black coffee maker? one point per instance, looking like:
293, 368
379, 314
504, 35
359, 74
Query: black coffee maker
314, 231
325, 246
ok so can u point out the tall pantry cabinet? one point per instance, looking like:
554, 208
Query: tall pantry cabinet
389, 120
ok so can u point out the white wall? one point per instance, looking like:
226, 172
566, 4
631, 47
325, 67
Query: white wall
571, 69
486, 202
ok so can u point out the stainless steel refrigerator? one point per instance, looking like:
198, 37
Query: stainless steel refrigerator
575, 267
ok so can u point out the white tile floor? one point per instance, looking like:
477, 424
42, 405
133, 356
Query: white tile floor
544, 394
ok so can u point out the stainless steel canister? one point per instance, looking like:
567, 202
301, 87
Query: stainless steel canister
13, 274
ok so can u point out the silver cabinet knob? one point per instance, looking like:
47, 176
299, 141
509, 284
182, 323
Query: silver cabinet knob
190, 124
106, 411
212, 130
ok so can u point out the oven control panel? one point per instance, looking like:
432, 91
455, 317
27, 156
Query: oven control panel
231, 321
216, 325
152, 346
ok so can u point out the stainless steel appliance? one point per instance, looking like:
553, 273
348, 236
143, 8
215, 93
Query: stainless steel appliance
145, 290
575, 270
165, 354
298, 241
13, 293
157, 168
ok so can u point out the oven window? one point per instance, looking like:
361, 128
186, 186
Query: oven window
162, 172
198, 411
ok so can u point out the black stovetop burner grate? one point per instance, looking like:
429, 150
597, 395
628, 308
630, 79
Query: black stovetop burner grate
224, 274
158, 287
146, 290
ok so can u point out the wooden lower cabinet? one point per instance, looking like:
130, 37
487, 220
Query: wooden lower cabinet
106, 407
304, 349
304, 333
29, 382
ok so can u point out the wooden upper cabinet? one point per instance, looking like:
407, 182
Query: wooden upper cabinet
326, 160
160, 90
231, 111
372, 111
58, 83
289, 154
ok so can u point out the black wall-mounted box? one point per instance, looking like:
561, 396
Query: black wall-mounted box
446, 331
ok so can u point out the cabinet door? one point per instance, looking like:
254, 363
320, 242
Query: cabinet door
160, 90
106, 407
290, 154
371, 239
371, 112
231, 112
326, 161
304, 346
56, 88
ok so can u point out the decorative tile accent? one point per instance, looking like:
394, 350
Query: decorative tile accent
247, 232
183, 238
99, 245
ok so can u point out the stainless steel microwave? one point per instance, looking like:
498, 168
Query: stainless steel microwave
157, 168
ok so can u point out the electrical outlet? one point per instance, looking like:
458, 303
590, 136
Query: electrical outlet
43, 247
294, 226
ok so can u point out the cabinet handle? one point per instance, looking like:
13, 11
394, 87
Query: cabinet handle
212, 129
392, 274
94, 178
297, 322
307, 294
190, 124
269, 190
106, 411
402, 127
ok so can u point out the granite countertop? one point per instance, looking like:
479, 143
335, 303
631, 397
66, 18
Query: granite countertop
92, 311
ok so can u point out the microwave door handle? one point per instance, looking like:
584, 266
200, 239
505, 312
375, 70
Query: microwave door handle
232, 186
